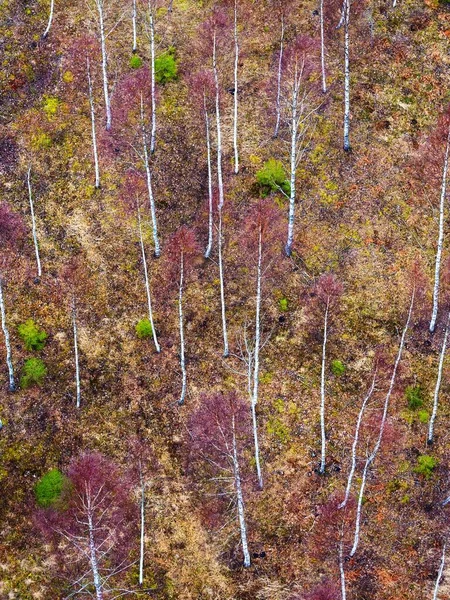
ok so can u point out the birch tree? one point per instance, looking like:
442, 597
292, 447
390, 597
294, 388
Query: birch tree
50, 19
33, 224
372, 456
75, 348
134, 22
219, 433
236, 90
182, 250
99, 7
438, 383
345, 22
440, 573
93, 127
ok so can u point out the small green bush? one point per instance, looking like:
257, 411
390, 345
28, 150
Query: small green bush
135, 61
34, 371
423, 416
49, 488
33, 337
283, 304
144, 329
272, 177
414, 396
166, 68
338, 368
425, 465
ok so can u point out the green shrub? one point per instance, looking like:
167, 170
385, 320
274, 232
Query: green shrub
425, 465
338, 368
135, 61
33, 337
51, 105
283, 304
144, 329
34, 371
49, 488
272, 177
423, 416
166, 68
414, 396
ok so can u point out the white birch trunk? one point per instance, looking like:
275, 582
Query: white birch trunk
256, 361
93, 555
440, 243
134, 17
355, 444
294, 126
99, 4
322, 393
33, 223
149, 185
342, 573
210, 190
240, 500
181, 324
222, 289
438, 384
235, 114
75, 348
12, 383
153, 77
439, 575
147, 283
347, 75
93, 130
372, 456
142, 540
322, 49
50, 19
280, 67
218, 128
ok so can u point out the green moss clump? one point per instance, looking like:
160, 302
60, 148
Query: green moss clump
414, 396
166, 68
283, 304
33, 337
41, 141
49, 488
338, 368
34, 371
272, 177
425, 465
144, 329
51, 105
423, 416
135, 61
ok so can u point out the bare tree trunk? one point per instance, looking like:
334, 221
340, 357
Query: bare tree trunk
440, 573
75, 348
50, 19
210, 191
219, 129
12, 384
93, 557
94, 135
322, 393
153, 77
222, 289
235, 119
342, 573
142, 547
438, 383
147, 284
240, 500
347, 75
99, 4
440, 243
292, 194
322, 49
355, 444
280, 66
372, 456
180, 316
149, 185
33, 222
134, 16
256, 360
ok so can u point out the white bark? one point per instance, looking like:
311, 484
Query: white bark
75, 348
33, 223
134, 16
293, 162
210, 190
50, 19
153, 76
342, 573
12, 383
142, 540
256, 360
147, 283
101, 20
280, 67
438, 383
180, 317
355, 444
218, 128
240, 499
374, 453
235, 114
93, 554
440, 573
322, 393
347, 75
222, 289
149, 185
440, 243
322, 48
94, 135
